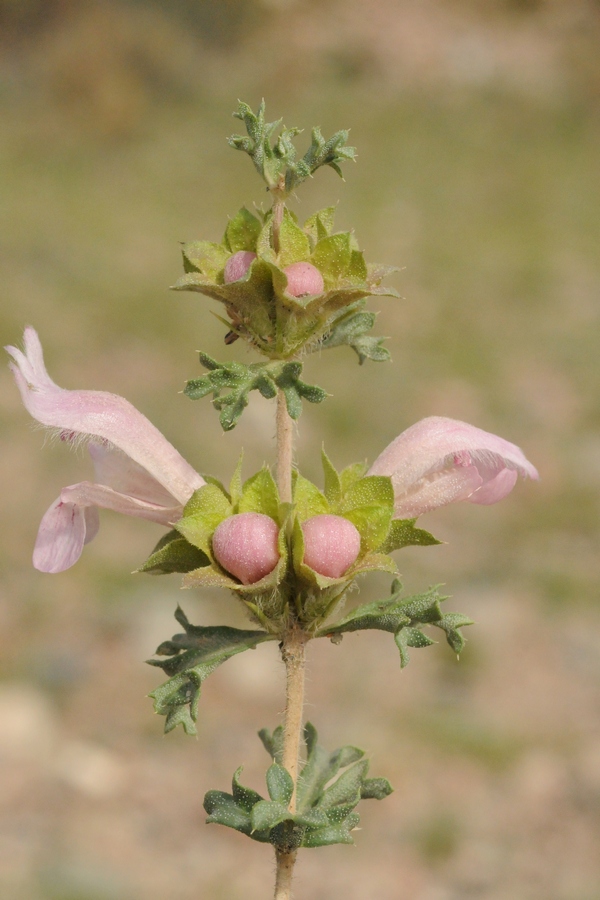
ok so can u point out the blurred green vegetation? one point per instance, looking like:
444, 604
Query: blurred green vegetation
479, 138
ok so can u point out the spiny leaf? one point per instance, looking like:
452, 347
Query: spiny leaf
402, 618
193, 656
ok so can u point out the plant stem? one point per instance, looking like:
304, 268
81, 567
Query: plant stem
278, 192
278, 207
293, 644
285, 449
285, 872
293, 655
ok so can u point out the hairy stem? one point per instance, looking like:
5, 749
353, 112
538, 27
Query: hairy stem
278, 208
293, 655
293, 644
285, 449
285, 872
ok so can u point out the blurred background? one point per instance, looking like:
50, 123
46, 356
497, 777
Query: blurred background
477, 125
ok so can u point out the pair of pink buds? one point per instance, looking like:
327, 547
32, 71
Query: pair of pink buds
246, 545
302, 277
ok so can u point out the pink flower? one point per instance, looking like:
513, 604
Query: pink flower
439, 461
246, 546
138, 472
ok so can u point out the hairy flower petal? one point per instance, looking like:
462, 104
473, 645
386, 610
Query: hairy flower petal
63, 531
101, 415
138, 472
440, 461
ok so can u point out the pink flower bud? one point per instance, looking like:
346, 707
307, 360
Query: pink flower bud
246, 546
303, 278
331, 545
237, 265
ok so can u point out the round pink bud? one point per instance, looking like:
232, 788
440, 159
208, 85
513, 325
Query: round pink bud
246, 546
331, 545
237, 265
303, 278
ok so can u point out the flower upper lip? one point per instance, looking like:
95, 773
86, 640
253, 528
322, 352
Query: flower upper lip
138, 472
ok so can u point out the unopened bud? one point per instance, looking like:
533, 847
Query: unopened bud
246, 546
303, 278
237, 265
331, 544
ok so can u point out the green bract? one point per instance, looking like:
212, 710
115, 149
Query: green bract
259, 307
367, 502
212, 504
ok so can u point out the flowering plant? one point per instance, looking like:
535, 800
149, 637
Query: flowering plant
288, 550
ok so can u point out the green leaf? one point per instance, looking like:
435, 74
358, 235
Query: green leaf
279, 784
332, 257
333, 484
260, 495
351, 327
320, 224
375, 789
193, 656
410, 637
273, 742
357, 268
451, 623
333, 834
403, 533
174, 554
223, 810
243, 796
277, 161
206, 508
326, 799
371, 491
294, 245
242, 231
308, 499
346, 789
200, 645
321, 766
204, 257
402, 618
235, 486
351, 474
267, 814
372, 523
230, 384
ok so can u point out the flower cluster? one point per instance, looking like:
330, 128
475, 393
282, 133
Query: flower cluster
138, 472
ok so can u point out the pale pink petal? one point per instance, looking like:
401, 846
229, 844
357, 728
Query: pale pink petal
73, 521
418, 458
86, 493
496, 488
101, 415
31, 363
60, 538
436, 490
92, 523
119, 472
